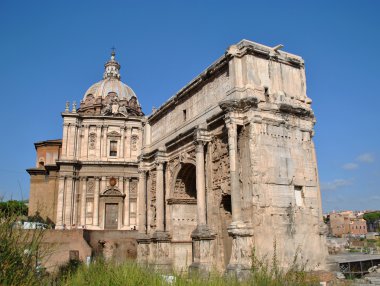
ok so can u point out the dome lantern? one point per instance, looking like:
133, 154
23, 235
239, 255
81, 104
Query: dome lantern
112, 68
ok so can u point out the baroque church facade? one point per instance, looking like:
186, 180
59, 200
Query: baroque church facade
225, 166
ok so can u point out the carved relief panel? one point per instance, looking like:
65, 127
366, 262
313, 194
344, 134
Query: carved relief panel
220, 163
152, 200
92, 141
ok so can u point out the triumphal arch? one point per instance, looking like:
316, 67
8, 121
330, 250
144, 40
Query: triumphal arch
224, 167
228, 165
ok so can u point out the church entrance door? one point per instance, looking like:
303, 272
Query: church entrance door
111, 216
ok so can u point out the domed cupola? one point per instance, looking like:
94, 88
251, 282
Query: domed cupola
110, 96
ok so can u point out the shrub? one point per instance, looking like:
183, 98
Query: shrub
20, 253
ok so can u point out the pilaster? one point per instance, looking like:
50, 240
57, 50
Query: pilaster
64, 140
126, 202
60, 200
68, 206
95, 219
129, 142
104, 143
83, 202
85, 142
98, 142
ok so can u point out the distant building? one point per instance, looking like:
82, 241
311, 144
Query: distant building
346, 223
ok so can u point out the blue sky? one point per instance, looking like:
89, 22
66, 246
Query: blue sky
52, 51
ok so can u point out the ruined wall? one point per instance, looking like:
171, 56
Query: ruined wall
196, 106
285, 195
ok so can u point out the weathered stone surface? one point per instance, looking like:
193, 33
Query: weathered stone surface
260, 167
225, 166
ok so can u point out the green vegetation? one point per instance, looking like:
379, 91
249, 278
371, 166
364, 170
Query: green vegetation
13, 208
371, 217
129, 273
21, 253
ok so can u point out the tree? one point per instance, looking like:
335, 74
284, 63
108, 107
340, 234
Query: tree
13, 208
371, 217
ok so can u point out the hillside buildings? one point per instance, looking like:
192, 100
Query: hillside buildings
346, 223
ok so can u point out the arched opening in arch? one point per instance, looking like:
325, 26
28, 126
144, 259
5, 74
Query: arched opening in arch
185, 184
183, 213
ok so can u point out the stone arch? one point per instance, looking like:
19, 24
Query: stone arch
184, 181
182, 206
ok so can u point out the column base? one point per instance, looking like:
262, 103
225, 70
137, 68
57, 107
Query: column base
203, 247
143, 248
160, 249
240, 263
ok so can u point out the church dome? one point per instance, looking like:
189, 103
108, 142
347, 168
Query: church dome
111, 83
110, 94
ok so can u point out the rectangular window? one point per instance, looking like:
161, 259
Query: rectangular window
113, 148
184, 115
299, 195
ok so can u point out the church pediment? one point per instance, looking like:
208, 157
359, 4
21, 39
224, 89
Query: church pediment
112, 192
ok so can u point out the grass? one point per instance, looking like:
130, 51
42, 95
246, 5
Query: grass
21, 252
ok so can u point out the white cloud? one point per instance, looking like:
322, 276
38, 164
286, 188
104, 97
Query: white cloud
366, 158
350, 166
336, 184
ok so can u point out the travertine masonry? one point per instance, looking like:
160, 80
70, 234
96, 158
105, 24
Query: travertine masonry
225, 166
243, 129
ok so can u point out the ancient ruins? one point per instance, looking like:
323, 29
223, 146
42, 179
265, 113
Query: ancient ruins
224, 167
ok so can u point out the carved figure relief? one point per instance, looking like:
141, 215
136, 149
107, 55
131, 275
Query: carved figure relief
134, 141
89, 99
220, 163
92, 141
184, 187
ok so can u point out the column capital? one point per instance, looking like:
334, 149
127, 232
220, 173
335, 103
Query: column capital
97, 178
201, 136
159, 163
